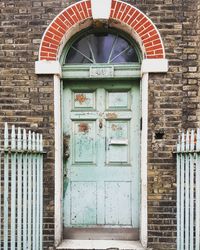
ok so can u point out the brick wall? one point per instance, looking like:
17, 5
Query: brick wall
27, 99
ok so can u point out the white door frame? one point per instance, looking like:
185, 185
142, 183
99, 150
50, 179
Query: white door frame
54, 68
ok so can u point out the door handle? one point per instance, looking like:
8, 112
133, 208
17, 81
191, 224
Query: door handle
66, 146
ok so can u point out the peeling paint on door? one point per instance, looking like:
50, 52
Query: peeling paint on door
83, 127
103, 165
111, 116
81, 98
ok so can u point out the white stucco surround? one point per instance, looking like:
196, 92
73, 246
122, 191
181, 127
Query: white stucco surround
54, 68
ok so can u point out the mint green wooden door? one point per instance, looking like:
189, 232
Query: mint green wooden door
101, 121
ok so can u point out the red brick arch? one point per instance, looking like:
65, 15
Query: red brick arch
125, 13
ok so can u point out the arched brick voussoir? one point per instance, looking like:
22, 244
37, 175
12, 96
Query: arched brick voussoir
144, 28
147, 33
54, 34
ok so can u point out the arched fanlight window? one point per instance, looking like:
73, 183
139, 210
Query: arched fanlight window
101, 47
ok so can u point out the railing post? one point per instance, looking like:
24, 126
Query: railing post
1, 216
13, 189
192, 191
19, 190
34, 191
182, 189
24, 190
37, 190
29, 191
187, 191
197, 241
6, 174
178, 192
41, 193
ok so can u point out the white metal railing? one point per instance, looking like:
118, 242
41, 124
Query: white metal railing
21, 190
188, 190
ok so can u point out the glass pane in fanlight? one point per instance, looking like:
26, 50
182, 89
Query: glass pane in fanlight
101, 46
74, 56
129, 54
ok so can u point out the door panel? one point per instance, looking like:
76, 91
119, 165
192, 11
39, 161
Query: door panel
84, 138
117, 142
84, 100
101, 176
118, 100
83, 203
118, 203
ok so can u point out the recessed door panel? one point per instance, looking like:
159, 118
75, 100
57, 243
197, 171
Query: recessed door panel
84, 141
101, 174
83, 203
118, 142
118, 100
118, 203
84, 100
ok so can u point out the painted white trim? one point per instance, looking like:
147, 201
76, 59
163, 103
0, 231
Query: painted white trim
48, 67
101, 9
154, 65
143, 160
148, 66
58, 161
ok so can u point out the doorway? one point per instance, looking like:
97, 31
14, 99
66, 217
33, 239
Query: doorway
101, 177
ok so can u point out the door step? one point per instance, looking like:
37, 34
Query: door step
100, 245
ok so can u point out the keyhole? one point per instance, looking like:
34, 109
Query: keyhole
100, 124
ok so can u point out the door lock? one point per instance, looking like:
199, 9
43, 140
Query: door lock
66, 146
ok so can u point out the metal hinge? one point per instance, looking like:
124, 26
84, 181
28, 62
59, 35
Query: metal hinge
141, 123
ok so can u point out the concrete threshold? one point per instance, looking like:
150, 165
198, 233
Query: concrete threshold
100, 245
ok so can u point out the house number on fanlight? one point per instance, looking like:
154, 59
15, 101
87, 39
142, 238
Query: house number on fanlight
96, 72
